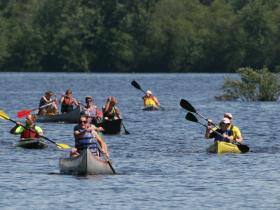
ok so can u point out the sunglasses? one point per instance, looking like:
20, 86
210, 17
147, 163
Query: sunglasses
84, 121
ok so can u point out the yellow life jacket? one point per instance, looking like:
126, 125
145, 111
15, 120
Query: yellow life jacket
149, 101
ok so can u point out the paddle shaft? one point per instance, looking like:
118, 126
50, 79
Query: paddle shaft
106, 157
126, 131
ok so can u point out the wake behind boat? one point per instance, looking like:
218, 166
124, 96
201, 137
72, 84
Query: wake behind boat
70, 117
32, 144
85, 164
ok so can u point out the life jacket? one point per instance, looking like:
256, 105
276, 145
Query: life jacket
111, 114
67, 105
29, 133
220, 138
87, 141
149, 101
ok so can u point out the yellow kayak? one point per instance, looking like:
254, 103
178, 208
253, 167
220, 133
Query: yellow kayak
223, 147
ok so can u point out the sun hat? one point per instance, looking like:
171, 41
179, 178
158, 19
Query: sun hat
148, 92
225, 120
228, 115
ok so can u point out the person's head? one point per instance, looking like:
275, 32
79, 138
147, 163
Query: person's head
83, 122
48, 94
228, 115
112, 100
30, 120
224, 124
149, 93
88, 99
68, 93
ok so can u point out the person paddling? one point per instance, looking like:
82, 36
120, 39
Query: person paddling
150, 100
226, 133
110, 110
44, 108
237, 136
67, 102
86, 137
31, 131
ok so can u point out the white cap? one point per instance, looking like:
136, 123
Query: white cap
148, 92
225, 120
228, 115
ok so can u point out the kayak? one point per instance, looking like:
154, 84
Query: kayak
111, 127
224, 147
150, 108
84, 164
70, 117
32, 144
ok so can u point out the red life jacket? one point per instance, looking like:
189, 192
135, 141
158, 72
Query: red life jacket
68, 101
29, 134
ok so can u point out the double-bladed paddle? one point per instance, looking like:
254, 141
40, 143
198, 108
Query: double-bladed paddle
25, 112
125, 130
242, 147
4, 116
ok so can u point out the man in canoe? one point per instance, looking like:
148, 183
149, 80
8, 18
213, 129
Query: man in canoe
110, 110
226, 133
150, 100
47, 105
237, 136
87, 137
30, 131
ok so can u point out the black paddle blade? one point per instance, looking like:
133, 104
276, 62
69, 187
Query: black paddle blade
243, 148
136, 85
191, 117
186, 105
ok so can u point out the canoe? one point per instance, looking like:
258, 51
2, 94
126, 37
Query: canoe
226, 147
70, 117
150, 108
111, 127
84, 164
32, 144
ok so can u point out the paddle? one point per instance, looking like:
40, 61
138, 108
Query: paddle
137, 86
186, 105
25, 112
242, 147
125, 131
106, 157
4, 116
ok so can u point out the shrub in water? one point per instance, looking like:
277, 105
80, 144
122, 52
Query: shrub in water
254, 85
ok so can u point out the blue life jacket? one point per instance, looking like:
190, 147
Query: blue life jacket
87, 141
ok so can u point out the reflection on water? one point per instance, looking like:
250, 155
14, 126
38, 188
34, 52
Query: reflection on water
161, 164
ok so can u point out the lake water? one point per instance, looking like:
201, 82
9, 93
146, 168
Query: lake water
162, 164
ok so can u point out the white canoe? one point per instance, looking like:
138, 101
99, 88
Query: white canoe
84, 164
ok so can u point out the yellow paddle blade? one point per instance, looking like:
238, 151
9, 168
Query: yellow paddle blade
3, 115
63, 146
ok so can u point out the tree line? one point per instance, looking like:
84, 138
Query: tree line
139, 35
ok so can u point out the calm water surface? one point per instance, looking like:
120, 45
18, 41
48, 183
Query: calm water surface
162, 164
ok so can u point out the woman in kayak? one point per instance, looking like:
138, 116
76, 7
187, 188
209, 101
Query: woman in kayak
237, 136
87, 137
67, 102
110, 111
225, 133
30, 131
150, 100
